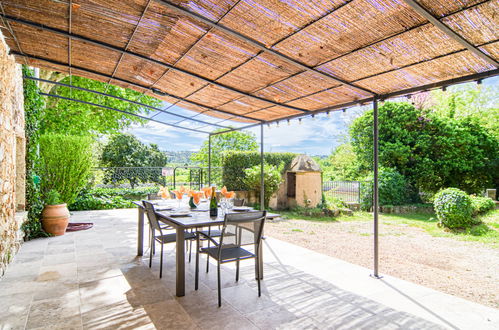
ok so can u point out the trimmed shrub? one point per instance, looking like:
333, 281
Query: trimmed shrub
393, 189
234, 164
109, 198
65, 164
272, 179
454, 208
482, 204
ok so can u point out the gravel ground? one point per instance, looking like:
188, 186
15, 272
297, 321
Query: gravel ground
466, 269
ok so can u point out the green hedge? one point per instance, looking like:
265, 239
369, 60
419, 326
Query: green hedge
110, 198
235, 163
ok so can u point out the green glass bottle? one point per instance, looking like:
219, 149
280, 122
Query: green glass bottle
213, 203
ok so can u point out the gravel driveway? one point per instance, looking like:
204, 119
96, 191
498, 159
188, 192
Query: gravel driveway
466, 269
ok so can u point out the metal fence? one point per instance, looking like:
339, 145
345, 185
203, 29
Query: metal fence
347, 191
192, 177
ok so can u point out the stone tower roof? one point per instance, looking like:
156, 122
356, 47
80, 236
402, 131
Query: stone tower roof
303, 163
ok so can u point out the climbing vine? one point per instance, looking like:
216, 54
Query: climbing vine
33, 111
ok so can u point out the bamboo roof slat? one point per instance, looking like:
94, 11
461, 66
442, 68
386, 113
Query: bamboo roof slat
165, 36
423, 43
213, 9
492, 50
447, 67
259, 72
336, 95
118, 18
440, 8
477, 25
179, 83
345, 30
139, 71
296, 86
244, 105
46, 12
216, 54
213, 96
272, 21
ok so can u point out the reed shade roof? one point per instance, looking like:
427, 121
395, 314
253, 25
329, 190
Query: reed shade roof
374, 47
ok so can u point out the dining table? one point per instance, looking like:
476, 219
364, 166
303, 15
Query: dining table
169, 213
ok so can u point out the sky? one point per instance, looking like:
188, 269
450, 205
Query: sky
314, 136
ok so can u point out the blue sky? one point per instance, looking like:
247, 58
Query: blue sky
316, 136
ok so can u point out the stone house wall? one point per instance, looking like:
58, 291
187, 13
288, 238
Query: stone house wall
12, 156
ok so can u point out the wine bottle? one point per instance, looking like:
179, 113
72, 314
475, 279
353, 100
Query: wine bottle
213, 203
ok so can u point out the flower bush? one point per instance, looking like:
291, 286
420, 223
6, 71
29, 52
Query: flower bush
454, 208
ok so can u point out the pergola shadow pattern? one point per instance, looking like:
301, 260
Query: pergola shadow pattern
92, 279
259, 61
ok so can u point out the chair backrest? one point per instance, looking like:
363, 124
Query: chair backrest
238, 201
151, 215
244, 228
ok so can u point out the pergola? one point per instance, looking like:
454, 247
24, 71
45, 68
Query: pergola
258, 61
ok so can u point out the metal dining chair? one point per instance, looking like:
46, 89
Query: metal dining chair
161, 238
240, 231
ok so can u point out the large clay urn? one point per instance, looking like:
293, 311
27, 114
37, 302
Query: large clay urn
55, 219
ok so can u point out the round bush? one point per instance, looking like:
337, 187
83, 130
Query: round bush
482, 204
454, 208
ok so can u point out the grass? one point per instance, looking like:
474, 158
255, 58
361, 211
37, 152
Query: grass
487, 232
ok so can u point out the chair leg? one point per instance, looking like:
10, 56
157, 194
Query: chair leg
237, 270
258, 277
161, 262
197, 265
151, 242
219, 286
190, 250
207, 259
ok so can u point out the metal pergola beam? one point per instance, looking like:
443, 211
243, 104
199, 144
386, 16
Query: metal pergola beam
258, 45
123, 99
448, 31
130, 83
122, 111
382, 97
142, 57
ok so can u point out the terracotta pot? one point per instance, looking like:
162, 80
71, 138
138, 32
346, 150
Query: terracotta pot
55, 219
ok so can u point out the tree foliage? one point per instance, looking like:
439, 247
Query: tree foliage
478, 102
430, 151
82, 119
342, 164
125, 150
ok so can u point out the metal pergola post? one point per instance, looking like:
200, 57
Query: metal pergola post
262, 181
375, 186
209, 160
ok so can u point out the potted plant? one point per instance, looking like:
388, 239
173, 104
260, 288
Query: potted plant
55, 214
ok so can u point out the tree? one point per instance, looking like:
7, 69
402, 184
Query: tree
125, 150
236, 140
430, 151
81, 119
343, 163
469, 101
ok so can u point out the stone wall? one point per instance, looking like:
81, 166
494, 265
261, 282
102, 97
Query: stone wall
12, 156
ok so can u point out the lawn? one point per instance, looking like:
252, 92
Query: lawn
487, 232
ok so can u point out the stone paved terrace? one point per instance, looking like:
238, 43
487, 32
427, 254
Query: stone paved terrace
93, 279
